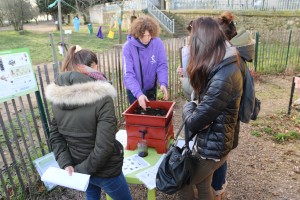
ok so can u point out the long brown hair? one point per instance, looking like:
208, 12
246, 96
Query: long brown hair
76, 56
207, 50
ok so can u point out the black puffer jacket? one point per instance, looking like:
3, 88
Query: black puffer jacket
218, 109
84, 126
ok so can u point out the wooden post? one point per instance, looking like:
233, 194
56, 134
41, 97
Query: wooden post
60, 26
53, 51
120, 21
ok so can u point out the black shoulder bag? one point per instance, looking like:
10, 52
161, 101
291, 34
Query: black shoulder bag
175, 171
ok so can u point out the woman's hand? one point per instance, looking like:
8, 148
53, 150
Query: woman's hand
180, 71
142, 101
165, 92
70, 170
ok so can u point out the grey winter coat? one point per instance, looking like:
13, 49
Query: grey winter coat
84, 125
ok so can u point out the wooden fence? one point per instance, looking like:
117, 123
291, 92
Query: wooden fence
24, 121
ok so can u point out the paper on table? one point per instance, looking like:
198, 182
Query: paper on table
180, 143
121, 136
60, 177
148, 176
133, 163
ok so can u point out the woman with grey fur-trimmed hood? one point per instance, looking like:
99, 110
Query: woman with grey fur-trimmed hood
84, 126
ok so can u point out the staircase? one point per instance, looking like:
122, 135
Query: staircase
179, 25
169, 21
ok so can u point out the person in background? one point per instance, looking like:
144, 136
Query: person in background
84, 126
219, 183
76, 23
144, 62
185, 83
217, 82
245, 45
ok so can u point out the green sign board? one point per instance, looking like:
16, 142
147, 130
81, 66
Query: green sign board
16, 74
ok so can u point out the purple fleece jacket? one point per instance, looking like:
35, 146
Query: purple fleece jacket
154, 62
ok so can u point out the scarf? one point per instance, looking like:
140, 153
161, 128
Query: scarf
91, 72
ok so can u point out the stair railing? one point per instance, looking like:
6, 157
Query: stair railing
163, 19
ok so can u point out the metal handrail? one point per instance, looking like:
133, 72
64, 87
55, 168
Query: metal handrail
163, 19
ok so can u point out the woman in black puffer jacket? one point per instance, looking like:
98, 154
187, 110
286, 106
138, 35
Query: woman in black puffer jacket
217, 81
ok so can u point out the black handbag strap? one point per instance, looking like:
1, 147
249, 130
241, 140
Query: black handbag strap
140, 68
178, 132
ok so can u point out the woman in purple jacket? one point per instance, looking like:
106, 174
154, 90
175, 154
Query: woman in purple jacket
144, 62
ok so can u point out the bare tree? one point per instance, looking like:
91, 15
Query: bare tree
3, 15
18, 12
35, 13
84, 6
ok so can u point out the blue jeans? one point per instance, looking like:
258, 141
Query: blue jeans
219, 177
115, 187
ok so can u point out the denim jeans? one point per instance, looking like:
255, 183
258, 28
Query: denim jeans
115, 187
219, 177
151, 95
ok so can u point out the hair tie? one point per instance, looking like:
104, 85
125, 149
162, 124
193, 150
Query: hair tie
78, 48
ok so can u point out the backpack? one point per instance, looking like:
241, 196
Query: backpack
250, 105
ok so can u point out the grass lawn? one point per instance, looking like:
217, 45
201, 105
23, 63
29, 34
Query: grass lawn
38, 41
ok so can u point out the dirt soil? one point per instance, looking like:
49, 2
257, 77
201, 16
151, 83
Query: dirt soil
260, 167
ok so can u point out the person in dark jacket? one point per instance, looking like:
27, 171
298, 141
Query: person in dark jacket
217, 81
242, 40
83, 130
144, 62
219, 183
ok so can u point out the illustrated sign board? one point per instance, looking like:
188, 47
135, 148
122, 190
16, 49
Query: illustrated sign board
16, 74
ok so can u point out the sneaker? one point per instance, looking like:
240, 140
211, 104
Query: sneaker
220, 193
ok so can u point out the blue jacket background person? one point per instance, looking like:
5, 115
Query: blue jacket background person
76, 22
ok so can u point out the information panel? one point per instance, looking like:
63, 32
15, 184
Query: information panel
16, 74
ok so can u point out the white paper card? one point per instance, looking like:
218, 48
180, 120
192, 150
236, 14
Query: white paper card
60, 177
121, 136
180, 143
133, 163
148, 176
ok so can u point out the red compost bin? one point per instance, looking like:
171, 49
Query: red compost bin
157, 130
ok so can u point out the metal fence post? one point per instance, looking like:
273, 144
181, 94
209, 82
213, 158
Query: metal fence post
288, 50
256, 50
291, 96
42, 114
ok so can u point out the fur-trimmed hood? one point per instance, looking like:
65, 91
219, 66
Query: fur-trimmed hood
80, 92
